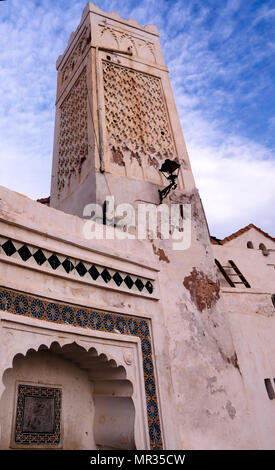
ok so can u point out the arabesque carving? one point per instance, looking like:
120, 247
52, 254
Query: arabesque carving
136, 116
73, 136
111, 37
76, 55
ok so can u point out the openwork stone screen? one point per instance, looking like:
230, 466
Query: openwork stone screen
73, 136
136, 116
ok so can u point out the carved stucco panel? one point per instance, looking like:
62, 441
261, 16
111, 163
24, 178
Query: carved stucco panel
137, 124
73, 134
76, 56
113, 38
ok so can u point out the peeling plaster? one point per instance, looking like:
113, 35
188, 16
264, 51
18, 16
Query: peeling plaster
230, 409
117, 156
153, 162
160, 253
197, 214
204, 292
210, 384
231, 360
212, 413
136, 156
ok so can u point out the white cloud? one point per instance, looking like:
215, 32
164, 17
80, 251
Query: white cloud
235, 175
235, 180
265, 15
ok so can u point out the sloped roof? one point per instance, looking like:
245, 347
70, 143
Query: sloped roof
217, 241
44, 200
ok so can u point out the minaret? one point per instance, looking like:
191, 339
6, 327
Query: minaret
116, 119
190, 386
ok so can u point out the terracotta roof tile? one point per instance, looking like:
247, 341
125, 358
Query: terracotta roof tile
44, 200
217, 241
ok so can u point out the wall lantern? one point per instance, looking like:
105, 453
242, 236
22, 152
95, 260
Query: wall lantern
170, 170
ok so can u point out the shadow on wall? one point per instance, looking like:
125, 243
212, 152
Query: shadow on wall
95, 409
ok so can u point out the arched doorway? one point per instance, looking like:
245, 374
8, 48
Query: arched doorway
81, 397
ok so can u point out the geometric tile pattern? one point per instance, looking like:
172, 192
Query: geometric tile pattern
27, 305
38, 415
57, 262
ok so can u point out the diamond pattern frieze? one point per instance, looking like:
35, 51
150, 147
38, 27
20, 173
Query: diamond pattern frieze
9, 248
93, 271
39, 257
24, 252
68, 265
103, 275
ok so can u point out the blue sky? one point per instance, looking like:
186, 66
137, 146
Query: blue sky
221, 60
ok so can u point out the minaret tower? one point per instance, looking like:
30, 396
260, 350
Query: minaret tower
116, 119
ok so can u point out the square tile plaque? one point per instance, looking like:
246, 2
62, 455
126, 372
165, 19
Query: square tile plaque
38, 415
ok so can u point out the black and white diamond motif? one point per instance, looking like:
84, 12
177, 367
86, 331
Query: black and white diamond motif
139, 284
68, 265
39, 257
54, 261
129, 282
117, 278
93, 272
9, 248
81, 269
24, 252
106, 275
149, 287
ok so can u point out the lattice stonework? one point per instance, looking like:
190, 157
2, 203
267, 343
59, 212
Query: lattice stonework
76, 55
136, 116
73, 134
30, 306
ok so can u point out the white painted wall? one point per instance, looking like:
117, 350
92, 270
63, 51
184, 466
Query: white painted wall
45, 368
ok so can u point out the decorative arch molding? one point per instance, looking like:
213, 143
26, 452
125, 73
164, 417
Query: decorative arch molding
112, 391
126, 40
109, 38
128, 337
60, 345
